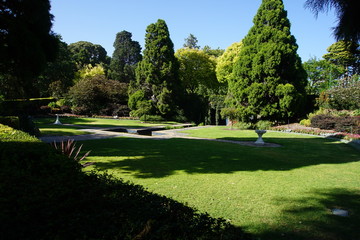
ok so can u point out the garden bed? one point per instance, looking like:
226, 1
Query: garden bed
298, 128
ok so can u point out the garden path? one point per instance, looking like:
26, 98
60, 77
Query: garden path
103, 133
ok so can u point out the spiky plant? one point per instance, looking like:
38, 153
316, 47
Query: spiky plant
68, 148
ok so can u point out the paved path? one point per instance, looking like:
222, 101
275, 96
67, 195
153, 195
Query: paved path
104, 133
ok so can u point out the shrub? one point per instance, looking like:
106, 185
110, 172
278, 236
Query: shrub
96, 93
306, 122
323, 121
45, 109
263, 125
65, 109
10, 121
151, 118
242, 125
341, 124
356, 112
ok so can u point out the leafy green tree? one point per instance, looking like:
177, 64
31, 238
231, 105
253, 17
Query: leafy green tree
197, 71
57, 77
345, 55
26, 44
348, 17
85, 53
191, 42
225, 63
126, 55
157, 73
215, 53
269, 80
97, 95
322, 75
198, 78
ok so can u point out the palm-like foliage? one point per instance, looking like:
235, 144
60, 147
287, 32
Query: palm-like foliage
68, 147
348, 17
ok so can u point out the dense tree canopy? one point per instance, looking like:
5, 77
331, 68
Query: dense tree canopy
126, 55
346, 55
97, 95
157, 74
197, 71
225, 63
269, 80
85, 53
322, 75
58, 76
348, 17
26, 44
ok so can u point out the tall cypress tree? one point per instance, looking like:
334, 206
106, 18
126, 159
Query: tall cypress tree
126, 55
157, 85
269, 80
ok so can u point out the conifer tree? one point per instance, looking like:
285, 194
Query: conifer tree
126, 55
269, 80
156, 89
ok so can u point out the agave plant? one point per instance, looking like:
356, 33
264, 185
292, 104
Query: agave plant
68, 148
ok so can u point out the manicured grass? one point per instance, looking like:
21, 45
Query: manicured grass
47, 127
274, 193
102, 122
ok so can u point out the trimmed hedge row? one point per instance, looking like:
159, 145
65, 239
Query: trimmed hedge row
19, 107
45, 195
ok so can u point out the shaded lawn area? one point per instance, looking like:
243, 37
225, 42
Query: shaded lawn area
274, 193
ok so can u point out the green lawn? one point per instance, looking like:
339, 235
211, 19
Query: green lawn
47, 127
273, 193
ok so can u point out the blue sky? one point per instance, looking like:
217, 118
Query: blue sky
215, 23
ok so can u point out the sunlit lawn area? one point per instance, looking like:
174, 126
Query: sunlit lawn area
273, 193
47, 127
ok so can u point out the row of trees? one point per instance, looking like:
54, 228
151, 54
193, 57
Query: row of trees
261, 77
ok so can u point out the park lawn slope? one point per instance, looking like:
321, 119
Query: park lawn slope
273, 193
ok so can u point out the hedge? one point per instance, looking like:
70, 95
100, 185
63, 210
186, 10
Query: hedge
17, 107
45, 195
346, 124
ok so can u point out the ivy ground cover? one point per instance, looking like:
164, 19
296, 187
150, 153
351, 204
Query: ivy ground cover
273, 193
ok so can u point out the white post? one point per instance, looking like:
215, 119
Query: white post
57, 122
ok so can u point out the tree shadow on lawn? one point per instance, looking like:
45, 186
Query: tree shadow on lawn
313, 218
145, 158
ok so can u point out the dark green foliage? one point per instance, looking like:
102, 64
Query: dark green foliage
58, 76
191, 42
98, 95
44, 195
346, 56
126, 55
26, 44
341, 98
322, 75
348, 17
151, 118
85, 53
10, 121
157, 73
269, 80
18, 107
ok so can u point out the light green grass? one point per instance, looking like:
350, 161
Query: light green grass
47, 127
273, 193
102, 122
